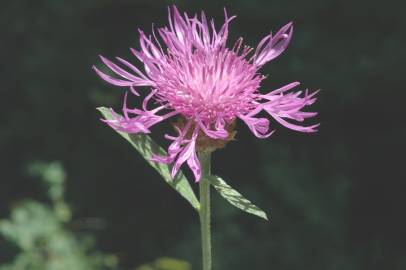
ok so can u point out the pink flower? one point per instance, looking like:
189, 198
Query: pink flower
192, 73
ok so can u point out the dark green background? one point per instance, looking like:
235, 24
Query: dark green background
336, 198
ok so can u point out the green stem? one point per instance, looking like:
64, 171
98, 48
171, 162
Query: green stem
204, 213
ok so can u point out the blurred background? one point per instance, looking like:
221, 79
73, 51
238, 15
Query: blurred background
74, 195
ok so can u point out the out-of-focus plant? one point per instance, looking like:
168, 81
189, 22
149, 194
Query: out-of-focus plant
165, 263
39, 231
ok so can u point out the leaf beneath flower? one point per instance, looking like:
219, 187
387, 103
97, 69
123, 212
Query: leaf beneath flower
146, 147
235, 198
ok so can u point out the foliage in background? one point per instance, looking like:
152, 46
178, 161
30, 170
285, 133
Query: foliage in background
166, 264
39, 231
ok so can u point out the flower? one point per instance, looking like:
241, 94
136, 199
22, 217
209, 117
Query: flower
192, 73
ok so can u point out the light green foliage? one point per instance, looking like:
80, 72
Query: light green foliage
235, 198
53, 175
166, 264
146, 147
40, 234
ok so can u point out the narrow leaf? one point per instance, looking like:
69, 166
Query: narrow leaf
146, 147
235, 198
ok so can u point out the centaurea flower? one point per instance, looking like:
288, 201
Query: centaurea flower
191, 73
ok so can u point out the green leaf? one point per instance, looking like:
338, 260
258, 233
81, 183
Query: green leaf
146, 147
235, 198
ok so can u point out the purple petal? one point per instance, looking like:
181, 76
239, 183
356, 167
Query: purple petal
258, 126
289, 106
308, 129
271, 47
122, 73
162, 159
194, 165
112, 80
219, 133
132, 67
183, 156
281, 90
175, 147
118, 70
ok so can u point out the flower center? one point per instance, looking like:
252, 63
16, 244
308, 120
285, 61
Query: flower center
209, 86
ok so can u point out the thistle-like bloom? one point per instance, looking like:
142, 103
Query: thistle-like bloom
191, 73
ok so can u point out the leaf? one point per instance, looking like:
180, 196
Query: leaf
235, 198
146, 147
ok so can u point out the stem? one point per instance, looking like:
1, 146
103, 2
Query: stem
204, 213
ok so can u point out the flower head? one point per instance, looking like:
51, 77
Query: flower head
191, 73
